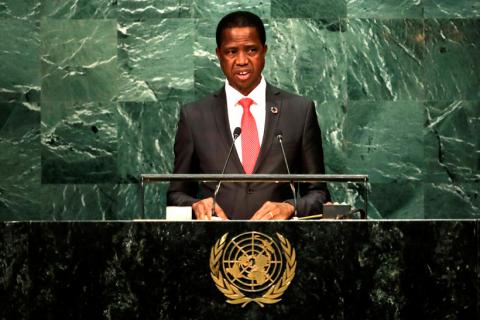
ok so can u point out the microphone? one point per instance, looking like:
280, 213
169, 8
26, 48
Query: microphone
236, 133
292, 186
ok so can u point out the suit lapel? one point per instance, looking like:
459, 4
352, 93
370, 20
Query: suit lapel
272, 113
220, 112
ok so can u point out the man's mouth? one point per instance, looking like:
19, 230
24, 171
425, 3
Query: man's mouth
243, 75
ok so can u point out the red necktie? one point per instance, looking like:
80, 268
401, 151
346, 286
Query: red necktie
250, 143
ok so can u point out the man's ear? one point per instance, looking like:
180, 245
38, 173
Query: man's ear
217, 52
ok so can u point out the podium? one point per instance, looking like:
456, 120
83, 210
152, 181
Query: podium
337, 269
266, 178
358, 269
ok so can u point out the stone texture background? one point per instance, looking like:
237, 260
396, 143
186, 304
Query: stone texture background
154, 270
90, 93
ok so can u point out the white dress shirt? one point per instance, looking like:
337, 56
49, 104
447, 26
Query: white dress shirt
235, 110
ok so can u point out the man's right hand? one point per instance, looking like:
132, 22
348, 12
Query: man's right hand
203, 210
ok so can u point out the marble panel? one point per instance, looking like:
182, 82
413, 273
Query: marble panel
452, 142
396, 200
381, 262
208, 76
155, 201
452, 201
385, 9
128, 201
309, 9
215, 10
452, 70
19, 143
477, 269
79, 9
156, 59
146, 137
57, 202
383, 140
433, 264
14, 271
331, 117
451, 8
79, 142
79, 60
454, 270
385, 59
21, 10
70, 265
20, 67
19, 202
79, 202
20, 158
349, 134
345, 270
307, 57
140, 10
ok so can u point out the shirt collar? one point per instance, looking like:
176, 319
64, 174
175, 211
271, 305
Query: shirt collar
257, 94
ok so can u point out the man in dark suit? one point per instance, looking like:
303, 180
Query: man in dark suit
205, 128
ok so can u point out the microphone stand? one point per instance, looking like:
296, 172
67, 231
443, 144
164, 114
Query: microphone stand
236, 134
292, 187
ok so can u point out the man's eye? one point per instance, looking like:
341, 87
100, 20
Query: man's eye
230, 52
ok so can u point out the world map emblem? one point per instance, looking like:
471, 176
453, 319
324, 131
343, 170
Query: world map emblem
252, 267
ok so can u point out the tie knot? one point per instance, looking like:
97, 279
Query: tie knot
245, 102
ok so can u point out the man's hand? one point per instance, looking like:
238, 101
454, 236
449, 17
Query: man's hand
203, 210
274, 211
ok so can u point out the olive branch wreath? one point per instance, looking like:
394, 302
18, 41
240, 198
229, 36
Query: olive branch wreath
234, 295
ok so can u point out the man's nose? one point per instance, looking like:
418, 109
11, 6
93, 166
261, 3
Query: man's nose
242, 58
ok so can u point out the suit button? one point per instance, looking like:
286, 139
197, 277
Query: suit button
250, 191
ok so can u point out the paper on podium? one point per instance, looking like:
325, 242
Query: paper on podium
179, 213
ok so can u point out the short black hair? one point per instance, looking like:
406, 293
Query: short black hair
240, 19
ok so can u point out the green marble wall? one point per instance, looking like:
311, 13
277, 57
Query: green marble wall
90, 91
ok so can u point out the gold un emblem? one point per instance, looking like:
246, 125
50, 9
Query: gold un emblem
252, 267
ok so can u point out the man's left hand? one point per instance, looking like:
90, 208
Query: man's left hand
274, 211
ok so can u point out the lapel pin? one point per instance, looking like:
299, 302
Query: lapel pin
274, 110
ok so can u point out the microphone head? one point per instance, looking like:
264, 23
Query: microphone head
279, 135
236, 132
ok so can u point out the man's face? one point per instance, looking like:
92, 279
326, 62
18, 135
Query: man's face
242, 58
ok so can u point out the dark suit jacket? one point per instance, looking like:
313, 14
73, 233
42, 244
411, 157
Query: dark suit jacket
203, 139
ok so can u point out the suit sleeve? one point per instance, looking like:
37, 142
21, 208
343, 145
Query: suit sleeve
313, 195
181, 193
